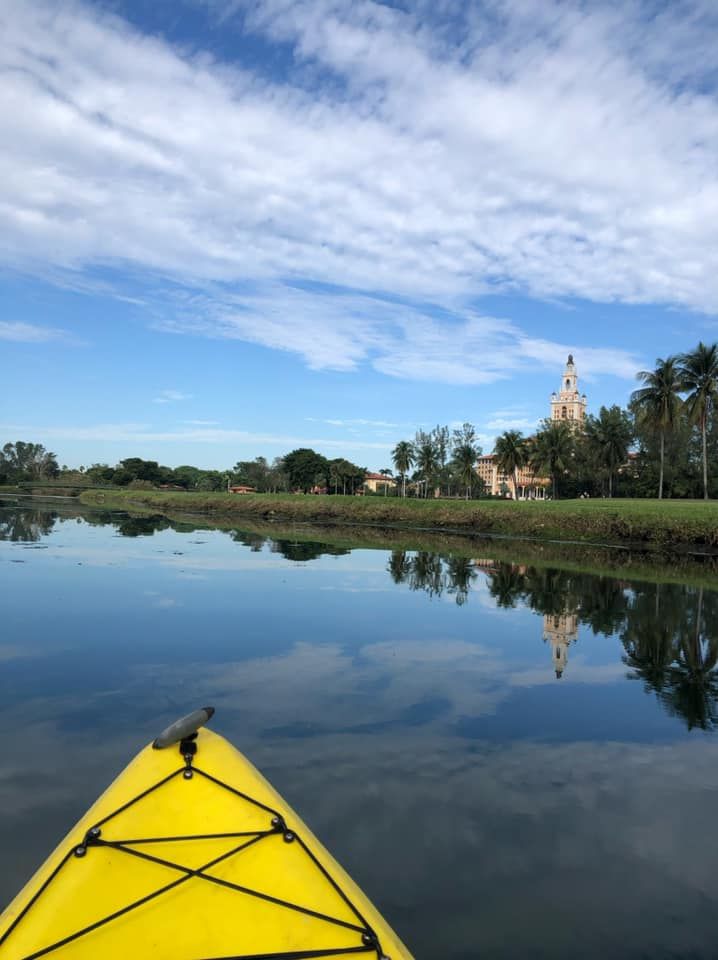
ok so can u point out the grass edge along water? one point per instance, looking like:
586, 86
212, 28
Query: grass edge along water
233, 874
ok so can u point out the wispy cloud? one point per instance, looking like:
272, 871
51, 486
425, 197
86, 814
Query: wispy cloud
402, 339
511, 423
556, 148
357, 422
144, 433
171, 396
30, 333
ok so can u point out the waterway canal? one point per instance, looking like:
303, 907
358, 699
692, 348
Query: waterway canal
512, 759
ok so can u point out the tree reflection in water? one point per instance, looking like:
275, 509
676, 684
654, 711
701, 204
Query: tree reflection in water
669, 631
26, 526
675, 652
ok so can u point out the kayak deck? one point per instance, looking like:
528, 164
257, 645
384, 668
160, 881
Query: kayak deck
193, 859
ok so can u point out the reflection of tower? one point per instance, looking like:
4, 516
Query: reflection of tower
561, 630
568, 404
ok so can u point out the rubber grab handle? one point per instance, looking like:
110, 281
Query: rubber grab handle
183, 728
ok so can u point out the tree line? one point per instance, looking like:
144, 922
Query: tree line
662, 443
670, 430
301, 469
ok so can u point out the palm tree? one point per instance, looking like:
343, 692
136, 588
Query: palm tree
609, 435
658, 402
403, 456
551, 451
385, 472
464, 460
427, 458
511, 454
699, 379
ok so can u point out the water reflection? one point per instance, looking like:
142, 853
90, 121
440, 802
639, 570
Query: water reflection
674, 651
26, 525
669, 632
433, 573
413, 691
560, 630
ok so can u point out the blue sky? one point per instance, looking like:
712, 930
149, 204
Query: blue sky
229, 229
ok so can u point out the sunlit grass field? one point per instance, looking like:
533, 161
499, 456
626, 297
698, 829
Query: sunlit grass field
667, 522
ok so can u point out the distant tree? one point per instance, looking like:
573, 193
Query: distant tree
21, 461
699, 379
277, 478
212, 481
550, 452
403, 456
464, 460
138, 469
608, 437
441, 437
385, 472
427, 458
252, 473
186, 476
511, 455
658, 405
302, 467
344, 473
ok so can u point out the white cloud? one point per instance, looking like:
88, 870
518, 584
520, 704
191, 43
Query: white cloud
557, 149
511, 423
357, 422
171, 396
29, 333
340, 331
144, 433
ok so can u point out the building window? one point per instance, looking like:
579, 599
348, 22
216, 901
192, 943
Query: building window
563, 413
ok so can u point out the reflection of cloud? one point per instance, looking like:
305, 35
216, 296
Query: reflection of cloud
490, 835
580, 672
161, 601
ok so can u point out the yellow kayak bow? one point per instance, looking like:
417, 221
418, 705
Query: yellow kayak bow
192, 855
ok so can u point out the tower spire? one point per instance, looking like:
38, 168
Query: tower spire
568, 404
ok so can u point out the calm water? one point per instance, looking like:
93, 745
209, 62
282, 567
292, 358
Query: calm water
511, 761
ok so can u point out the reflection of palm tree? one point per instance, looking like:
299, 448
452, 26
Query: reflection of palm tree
399, 566
460, 574
603, 603
693, 681
427, 573
648, 640
506, 585
675, 651
551, 591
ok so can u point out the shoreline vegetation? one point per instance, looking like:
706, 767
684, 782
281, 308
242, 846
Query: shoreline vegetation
669, 525
635, 562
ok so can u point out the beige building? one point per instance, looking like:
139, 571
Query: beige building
560, 631
568, 404
528, 487
378, 483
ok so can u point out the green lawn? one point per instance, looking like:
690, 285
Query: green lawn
666, 523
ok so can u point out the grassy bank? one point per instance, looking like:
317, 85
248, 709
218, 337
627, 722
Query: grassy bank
667, 524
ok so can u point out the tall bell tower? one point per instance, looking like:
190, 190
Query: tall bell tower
568, 404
